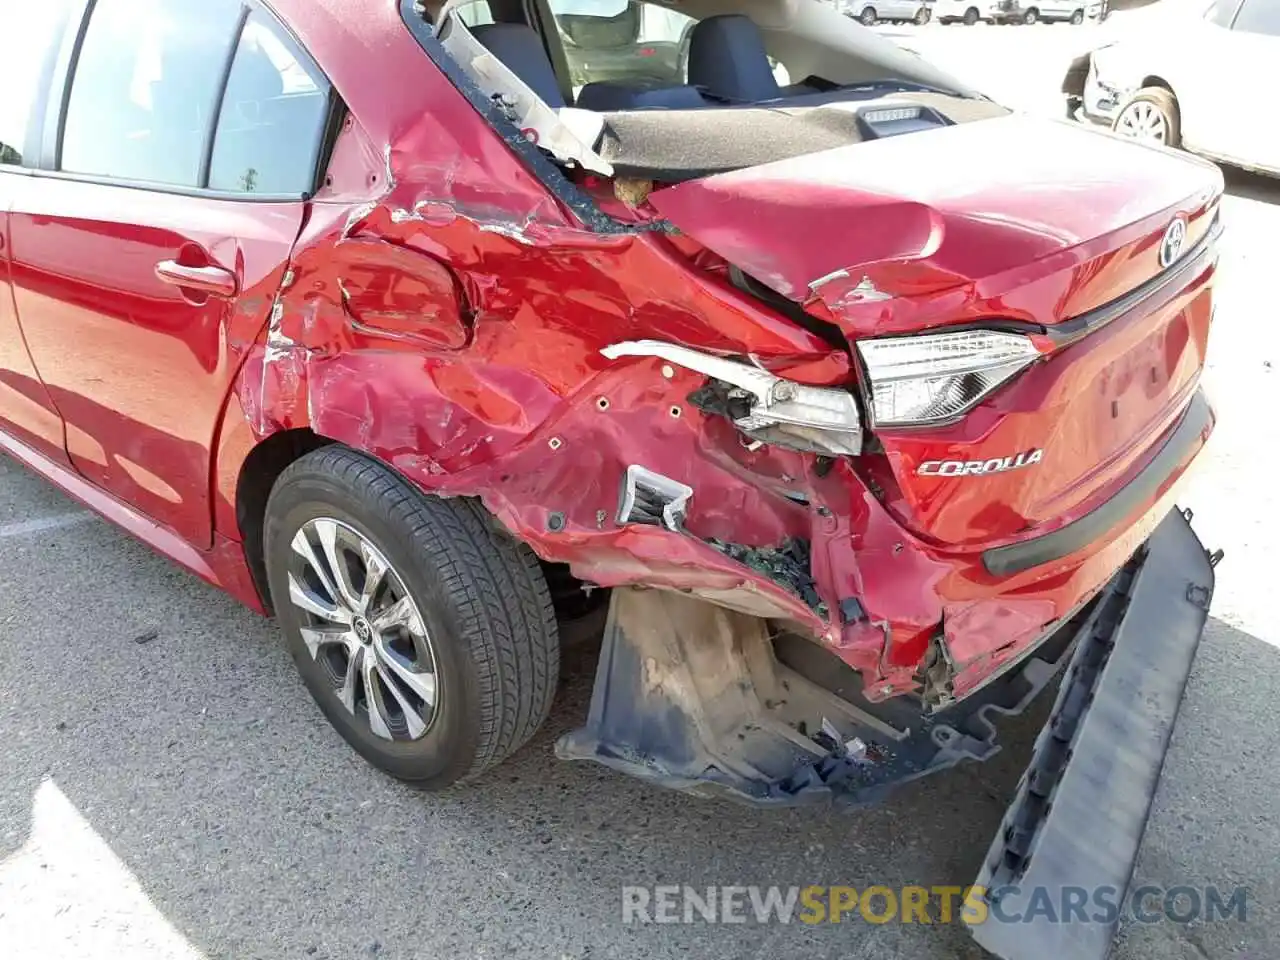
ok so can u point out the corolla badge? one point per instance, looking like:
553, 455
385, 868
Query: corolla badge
1175, 235
978, 468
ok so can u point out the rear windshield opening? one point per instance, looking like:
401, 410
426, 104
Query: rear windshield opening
639, 89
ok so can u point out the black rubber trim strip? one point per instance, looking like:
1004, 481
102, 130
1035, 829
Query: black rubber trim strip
1080, 811
1180, 273
1016, 557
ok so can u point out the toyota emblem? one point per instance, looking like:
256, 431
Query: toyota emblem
1171, 245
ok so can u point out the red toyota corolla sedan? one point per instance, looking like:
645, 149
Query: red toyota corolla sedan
850, 402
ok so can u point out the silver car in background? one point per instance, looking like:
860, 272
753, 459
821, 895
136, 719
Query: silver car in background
1193, 81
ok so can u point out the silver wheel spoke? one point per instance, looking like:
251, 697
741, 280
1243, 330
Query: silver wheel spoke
317, 637
302, 547
412, 719
327, 531
347, 692
307, 599
422, 684
375, 570
402, 613
378, 716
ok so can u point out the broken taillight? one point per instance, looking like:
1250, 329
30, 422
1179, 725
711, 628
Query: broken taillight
764, 406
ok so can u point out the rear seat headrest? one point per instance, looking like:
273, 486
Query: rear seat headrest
727, 60
521, 52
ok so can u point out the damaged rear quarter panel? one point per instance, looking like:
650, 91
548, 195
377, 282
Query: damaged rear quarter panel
445, 314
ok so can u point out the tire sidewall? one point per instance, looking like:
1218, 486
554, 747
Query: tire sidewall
446, 749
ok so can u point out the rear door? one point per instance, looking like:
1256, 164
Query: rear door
1236, 61
146, 255
1198, 62
28, 44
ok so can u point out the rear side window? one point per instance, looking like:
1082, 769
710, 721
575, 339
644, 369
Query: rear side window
145, 88
1259, 16
475, 14
272, 119
29, 33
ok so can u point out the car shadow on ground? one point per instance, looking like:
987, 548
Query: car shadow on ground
197, 759
1251, 186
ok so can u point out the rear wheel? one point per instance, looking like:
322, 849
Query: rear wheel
971, 16
1151, 116
1077, 18
868, 17
1031, 16
426, 636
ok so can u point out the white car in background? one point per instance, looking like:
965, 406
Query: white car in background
970, 12
967, 12
868, 12
1195, 81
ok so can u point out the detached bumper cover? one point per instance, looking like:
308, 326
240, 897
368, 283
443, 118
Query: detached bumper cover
1081, 809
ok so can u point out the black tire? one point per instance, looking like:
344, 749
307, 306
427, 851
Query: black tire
971, 16
1031, 16
1167, 104
481, 595
868, 17
1077, 18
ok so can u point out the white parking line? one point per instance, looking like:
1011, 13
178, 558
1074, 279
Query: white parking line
26, 527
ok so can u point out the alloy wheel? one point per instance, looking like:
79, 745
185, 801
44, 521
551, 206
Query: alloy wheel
1143, 120
364, 629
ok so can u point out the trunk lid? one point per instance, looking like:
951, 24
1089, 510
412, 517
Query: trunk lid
1052, 226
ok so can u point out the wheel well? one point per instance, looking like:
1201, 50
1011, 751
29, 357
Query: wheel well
1156, 82
258, 475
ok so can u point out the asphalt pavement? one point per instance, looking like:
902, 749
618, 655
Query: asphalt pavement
168, 790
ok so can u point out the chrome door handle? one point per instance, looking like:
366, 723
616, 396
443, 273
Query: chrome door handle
214, 280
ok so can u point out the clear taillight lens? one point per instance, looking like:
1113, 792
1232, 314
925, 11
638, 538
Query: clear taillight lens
924, 379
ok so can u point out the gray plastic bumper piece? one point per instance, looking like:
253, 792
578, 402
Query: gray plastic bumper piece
1081, 808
